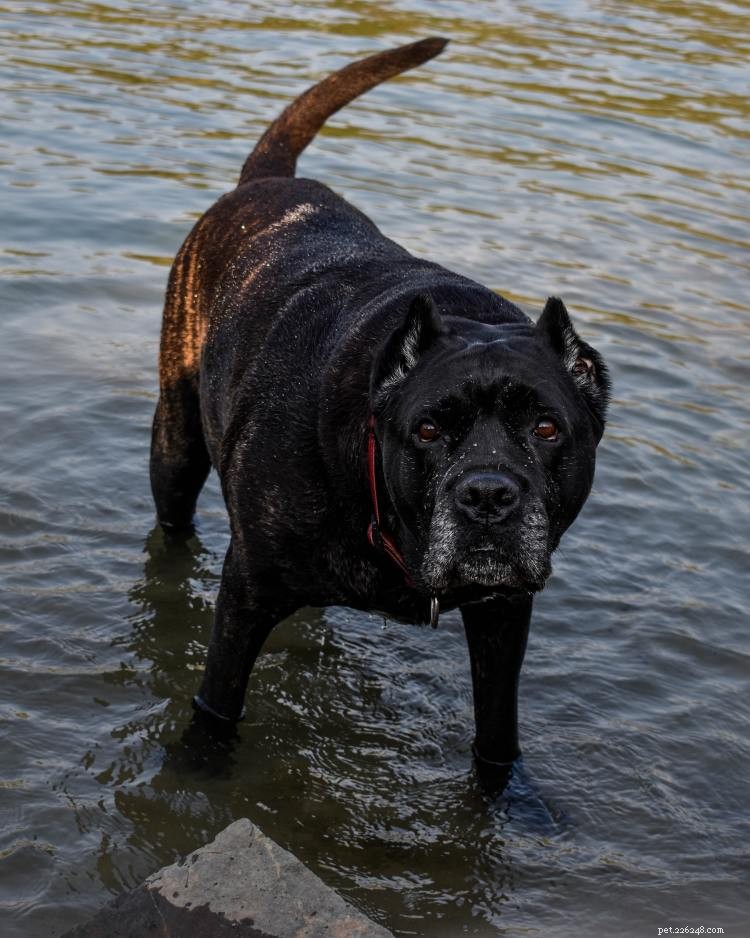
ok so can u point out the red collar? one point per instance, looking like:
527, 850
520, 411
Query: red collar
375, 534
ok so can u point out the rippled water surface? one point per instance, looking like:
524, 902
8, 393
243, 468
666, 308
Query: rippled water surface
596, 150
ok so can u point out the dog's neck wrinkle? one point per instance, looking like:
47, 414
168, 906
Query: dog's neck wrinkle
479, 332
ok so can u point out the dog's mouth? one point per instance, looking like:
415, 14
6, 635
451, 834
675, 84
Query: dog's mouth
487, 570
459, 558
492, 568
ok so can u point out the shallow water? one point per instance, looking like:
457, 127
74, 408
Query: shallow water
595, 150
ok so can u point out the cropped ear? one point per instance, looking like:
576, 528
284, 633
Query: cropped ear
584, 364
405, 346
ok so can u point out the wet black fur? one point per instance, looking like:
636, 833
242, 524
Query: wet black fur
293, 366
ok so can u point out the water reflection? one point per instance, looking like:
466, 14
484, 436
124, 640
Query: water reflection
336, 724
169, 634
175, 603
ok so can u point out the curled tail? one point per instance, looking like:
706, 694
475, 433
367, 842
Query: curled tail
277, 150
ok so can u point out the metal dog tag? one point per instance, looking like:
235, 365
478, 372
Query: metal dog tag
434, 611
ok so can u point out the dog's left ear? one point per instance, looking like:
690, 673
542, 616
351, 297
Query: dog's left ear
405, 346
584, 364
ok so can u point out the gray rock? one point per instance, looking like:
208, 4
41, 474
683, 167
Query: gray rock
243, 884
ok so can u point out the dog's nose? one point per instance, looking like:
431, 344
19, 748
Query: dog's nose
487, 496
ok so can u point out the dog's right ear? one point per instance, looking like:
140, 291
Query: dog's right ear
585, 365
404, 347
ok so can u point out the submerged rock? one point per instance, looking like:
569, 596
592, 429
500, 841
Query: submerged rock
242, 884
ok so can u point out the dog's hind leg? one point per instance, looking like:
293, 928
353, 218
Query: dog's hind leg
179, 458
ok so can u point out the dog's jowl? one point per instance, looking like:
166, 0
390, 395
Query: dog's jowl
389, 435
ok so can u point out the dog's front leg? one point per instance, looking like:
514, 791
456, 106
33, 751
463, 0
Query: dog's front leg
243, 620
496, 634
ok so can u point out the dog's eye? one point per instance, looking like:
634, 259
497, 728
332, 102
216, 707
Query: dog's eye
546, 429
428, 431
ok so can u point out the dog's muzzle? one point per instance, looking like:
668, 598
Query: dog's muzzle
485, 532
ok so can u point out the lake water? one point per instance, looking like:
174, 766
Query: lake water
594, 149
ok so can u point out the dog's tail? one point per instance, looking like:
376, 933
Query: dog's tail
277, 150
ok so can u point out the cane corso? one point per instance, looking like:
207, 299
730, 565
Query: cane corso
389, 435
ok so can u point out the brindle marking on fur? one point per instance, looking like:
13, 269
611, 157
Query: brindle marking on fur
185, 321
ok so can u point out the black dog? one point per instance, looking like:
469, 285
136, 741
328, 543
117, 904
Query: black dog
389, 435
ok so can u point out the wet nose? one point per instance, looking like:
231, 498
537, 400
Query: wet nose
487, 496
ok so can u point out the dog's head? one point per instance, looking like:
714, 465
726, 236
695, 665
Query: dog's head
488, 436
